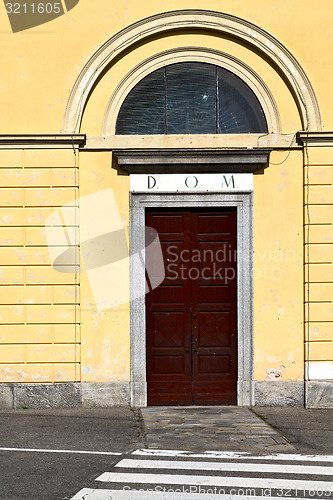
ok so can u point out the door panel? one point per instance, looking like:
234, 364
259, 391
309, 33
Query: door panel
208, 324
192, 316
167, 317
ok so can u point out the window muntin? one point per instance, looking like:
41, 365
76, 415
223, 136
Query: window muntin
191, 98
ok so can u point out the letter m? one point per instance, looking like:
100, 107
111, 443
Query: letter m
228, 182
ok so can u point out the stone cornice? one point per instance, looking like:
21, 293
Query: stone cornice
190, 160
41, 141
318, 139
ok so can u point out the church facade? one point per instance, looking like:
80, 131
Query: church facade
166, 207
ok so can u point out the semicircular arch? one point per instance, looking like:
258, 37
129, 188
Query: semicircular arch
226, 24
192, 54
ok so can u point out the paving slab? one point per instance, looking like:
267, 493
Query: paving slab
198, 428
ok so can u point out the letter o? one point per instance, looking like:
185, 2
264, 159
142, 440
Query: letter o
188, 184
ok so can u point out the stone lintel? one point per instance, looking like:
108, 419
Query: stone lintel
172, 161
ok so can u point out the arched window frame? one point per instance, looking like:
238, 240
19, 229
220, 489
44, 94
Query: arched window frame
220, 23
193, 54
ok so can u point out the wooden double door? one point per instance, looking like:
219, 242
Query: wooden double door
191, 316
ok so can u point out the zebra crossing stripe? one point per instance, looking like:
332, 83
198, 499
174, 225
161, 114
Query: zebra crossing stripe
250, 482
233, 455
93, 494
44, 450
225, 466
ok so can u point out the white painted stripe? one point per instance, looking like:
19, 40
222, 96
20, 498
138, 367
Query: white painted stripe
93, 494
183, 453
38, 450
234, 455
249, 482
225, 466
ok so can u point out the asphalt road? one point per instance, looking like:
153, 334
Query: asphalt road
51, 475
308, 429
48, 475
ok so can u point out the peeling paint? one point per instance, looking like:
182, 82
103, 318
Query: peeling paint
274, 373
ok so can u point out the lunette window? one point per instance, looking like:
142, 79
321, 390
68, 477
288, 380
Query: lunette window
191, 98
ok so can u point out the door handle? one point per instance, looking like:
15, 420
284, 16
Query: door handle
194, 315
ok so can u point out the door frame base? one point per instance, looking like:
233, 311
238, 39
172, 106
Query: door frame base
244, 206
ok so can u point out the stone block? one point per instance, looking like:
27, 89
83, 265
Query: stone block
319, 351
67, 395
64, 177
64, 334
281, 393
105, 395
47, 275
48, 157
26, 372
11, 236
17, 177
25, 334
10, 197
54, 314
55, 353
11, 353
52, 197
11, 275
6, 397
319, 394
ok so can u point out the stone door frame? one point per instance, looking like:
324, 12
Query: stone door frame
244, 206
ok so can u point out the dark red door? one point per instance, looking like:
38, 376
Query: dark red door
192, 315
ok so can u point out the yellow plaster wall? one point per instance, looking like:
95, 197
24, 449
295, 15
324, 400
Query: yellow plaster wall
39, 325
50, 325
39, 306
104, 333
42, 63
318, 255
278, 269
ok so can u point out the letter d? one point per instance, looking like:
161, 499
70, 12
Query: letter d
151, 182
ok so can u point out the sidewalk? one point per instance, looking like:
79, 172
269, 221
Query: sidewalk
210, 428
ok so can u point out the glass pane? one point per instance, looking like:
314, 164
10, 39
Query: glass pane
143, 111
239, 110
191, 98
